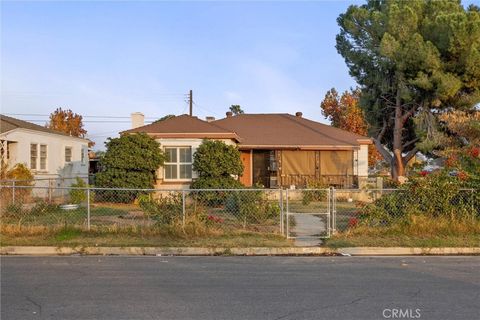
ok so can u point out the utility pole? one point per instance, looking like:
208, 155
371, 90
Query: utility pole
191, 103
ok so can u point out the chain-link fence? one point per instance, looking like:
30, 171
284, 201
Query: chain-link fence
222, 210
294, 213
384, 207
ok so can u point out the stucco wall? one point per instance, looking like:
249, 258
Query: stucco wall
194, 144
56, 166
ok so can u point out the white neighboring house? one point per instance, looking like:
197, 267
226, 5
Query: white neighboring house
49, 154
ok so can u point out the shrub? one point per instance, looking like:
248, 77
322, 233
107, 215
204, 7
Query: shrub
216, 164
23, 177
216, 159
214, 198
78, 196
42, 207
164, 209
130, 162
314, 195
251, 207
434, 195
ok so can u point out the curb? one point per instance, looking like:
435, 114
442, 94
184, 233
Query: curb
252, 251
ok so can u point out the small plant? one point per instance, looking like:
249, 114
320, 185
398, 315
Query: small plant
78, 196
42, 207
251, 207
164, 209
13, 210
319, 192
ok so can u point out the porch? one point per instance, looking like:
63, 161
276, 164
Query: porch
299, 168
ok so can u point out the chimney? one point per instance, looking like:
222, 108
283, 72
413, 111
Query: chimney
138, 119
298, 114
210, 119
229, 114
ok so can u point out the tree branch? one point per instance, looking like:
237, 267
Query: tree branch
410, 154
383, 151
410, 143
382, 132
409, 113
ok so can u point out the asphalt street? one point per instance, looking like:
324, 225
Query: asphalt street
112, 287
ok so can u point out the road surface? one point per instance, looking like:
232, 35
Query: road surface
97, 287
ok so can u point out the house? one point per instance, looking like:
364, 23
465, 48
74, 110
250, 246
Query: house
277, 150
49, 154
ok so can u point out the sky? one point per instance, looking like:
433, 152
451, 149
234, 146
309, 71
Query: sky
114, 58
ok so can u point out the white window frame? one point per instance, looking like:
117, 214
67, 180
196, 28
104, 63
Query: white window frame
40, 157
83, 155
35, 163
178, 163
65, 154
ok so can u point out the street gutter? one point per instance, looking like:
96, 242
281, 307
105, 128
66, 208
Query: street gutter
252, 251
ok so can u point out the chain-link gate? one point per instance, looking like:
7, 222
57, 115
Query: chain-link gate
308, 213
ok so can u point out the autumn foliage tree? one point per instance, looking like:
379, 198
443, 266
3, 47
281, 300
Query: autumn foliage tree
345, 113
67, 122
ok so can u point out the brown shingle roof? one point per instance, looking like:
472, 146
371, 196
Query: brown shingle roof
9, 123
288, 131
185, 126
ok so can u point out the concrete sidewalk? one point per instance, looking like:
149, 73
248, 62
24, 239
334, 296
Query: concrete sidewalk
258, 251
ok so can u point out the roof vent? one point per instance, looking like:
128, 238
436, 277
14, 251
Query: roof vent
229, 114
298, 114
210, 119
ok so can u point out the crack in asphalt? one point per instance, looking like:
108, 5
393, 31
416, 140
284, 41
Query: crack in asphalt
35, 304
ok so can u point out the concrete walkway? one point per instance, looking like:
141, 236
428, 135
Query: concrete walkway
308, 228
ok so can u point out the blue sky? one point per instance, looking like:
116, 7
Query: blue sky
114, 58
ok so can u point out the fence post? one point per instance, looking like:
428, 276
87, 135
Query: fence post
286, 209
13, 192
88, 208
49, 190
281, 210
183, 208
334, 210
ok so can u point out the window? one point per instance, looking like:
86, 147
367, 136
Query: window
68, 154
82, 154
43, 157
33, 156
178, 165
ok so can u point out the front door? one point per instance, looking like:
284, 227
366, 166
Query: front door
261, 163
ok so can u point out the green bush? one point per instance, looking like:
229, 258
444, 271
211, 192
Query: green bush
164, 209
314, 195
216, 159
251, 207
42, 207
216, 164
129, 162
78, 196
435, 195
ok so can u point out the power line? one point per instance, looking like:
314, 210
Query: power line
47, 115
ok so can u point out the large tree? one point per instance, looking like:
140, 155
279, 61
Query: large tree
67, 122
413, 60
345, 113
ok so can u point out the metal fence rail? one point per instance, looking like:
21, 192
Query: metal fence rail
226, 210
294, 213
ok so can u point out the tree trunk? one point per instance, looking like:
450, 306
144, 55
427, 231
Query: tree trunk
398, 169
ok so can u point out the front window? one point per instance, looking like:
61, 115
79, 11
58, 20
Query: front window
68, 154
178, 165
33, 156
